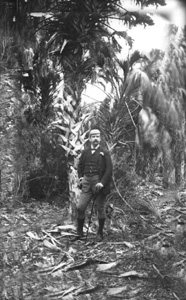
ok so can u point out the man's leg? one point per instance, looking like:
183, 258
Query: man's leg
100, 204
85, 197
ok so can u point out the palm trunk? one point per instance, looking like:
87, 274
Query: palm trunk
183, 150
74, 191
7, 137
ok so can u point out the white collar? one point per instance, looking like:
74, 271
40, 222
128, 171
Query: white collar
94, 148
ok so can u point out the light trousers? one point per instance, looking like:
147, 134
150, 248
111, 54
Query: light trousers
87, 195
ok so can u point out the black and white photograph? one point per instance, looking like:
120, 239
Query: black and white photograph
92, 150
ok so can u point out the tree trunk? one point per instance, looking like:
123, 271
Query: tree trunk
183, 151
7, 135
74, 191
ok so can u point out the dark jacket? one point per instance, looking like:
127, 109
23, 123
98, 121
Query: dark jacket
104, 168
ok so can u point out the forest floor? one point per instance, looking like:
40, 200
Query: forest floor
142, 256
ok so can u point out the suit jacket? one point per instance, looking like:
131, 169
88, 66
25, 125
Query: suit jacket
104, 168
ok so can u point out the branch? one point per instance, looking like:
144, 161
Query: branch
121, 195
107, 94
122, 7
130, 115
97, 101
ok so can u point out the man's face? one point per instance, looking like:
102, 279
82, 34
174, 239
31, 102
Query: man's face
95, 139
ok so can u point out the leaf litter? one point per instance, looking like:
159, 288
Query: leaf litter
143, 259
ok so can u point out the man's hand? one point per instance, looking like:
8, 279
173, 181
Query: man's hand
80, 183
98, 186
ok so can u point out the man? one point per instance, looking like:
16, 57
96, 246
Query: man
95, 173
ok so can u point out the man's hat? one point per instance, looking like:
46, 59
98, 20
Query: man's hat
94, 131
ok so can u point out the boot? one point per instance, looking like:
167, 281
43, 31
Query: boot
100, 230
80, 223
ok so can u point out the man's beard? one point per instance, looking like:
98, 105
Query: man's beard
95, 143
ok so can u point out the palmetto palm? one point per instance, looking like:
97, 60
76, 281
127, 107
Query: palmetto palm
117, 115
166, 98
80, 34
158, 84
76, 36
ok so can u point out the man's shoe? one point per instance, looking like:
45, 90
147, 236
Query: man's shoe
99, 237
80, 234
100, 229
80, 223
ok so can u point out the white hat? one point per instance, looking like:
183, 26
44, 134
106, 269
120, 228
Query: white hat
94, 131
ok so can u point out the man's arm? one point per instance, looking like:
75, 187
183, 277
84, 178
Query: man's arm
108, 169
81, 165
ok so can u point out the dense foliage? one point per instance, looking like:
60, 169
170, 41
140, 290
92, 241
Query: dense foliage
62, 46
